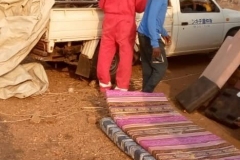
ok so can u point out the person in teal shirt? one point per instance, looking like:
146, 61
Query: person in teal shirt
152, 51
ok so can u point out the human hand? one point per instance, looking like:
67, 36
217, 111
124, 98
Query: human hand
156, 52
167, 39
157, 56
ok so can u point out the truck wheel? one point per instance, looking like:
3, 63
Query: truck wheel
113, 67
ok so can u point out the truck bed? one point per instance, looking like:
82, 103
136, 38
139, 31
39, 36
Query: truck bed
74, 24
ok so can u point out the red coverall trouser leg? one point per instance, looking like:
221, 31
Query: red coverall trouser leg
118, 31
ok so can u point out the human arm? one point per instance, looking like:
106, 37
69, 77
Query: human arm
155, 23
101, 3
156, 17
140, 5
163, 31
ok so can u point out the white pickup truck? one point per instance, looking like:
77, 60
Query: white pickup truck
74, 31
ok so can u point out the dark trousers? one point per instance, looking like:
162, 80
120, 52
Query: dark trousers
152, 72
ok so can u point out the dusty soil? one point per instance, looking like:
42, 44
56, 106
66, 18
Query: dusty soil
62, 124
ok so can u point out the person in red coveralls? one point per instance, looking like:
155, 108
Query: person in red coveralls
119, 31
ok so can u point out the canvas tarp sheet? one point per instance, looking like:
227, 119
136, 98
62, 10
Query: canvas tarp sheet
22, 23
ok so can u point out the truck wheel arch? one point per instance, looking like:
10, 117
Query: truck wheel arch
232, 32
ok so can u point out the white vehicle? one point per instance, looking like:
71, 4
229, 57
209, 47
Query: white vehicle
74, 31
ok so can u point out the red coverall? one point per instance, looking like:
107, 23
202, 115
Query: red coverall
119, 30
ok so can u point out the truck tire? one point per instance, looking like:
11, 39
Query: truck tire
113, 68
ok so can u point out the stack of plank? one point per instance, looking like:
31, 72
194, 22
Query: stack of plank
146, 127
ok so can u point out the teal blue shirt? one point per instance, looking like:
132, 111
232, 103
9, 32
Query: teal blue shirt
153, 20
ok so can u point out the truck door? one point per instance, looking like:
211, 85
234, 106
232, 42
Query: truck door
200, 25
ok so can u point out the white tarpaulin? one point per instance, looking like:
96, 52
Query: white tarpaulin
22, 23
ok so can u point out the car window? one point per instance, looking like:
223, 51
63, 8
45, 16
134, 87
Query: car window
198, 6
